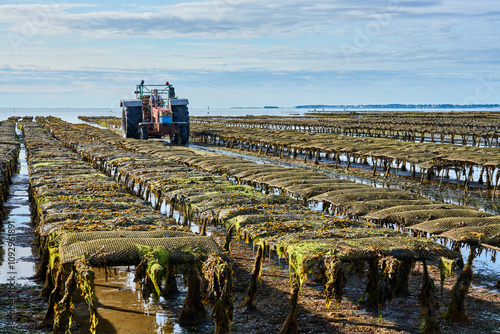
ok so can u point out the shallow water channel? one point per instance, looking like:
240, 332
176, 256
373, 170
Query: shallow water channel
16, 232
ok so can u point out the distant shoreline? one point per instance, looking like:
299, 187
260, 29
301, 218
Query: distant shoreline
398, 106
336, 107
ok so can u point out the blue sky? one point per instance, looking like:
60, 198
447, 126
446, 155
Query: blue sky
223, 53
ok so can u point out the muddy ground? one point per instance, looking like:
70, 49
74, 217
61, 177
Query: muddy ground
400, 316
21, 309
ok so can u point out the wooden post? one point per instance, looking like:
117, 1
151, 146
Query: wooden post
429, 305
456, 310
248, 302
290, 326
374, 162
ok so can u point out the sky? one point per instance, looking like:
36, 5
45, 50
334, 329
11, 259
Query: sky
223, 53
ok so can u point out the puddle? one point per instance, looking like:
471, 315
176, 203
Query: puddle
16, 233
486, 268
121, 309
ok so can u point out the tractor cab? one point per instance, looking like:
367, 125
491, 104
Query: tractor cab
155, 113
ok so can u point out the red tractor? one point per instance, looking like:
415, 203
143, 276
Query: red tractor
156, 112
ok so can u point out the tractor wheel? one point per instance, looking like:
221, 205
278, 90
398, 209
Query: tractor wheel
143, 132
184, 136
131, 117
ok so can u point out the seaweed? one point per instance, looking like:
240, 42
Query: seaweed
156, 262
84, 277
193, 311
219, 292
54, 297
335, 280
313, 243
63, 310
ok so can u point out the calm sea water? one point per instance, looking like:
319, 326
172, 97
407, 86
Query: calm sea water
71, 114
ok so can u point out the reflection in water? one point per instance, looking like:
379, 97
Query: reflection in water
16, 233
121, 308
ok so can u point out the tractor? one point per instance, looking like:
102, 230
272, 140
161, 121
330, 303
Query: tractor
156, 112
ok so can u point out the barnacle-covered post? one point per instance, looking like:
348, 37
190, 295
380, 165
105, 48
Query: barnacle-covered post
402, 276
383, 280
290, 326
373, 283
55, 296
389, 280
248, 302
429, 305
84, 276
64, 308
170, 288
229, 235
456, 310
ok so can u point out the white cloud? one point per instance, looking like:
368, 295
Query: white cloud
240, 43
237, 19
207, 19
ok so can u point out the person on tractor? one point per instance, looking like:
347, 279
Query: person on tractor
155, 100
